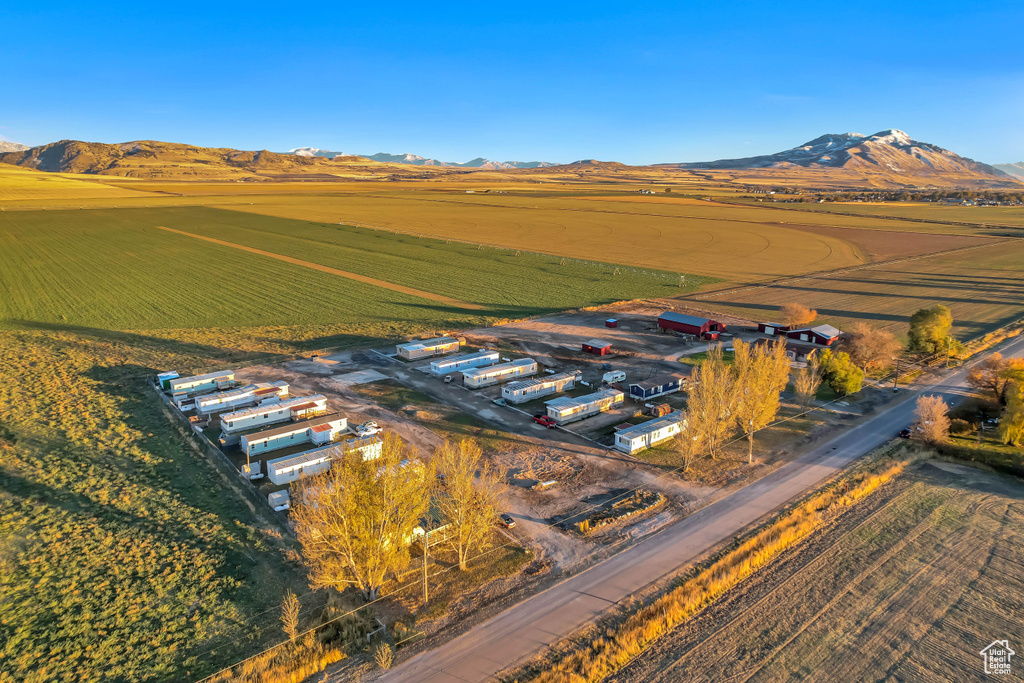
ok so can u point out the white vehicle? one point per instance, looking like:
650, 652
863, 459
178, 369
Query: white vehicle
447, 379
367, 428
614, 376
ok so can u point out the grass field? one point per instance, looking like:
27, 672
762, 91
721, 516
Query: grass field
983, 287
910, 585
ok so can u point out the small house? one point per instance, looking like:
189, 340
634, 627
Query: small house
597, 347
529, 389
479, 359
822, 335
659, 385
642, 436
566, 409
495, 374
702, 328
425, 348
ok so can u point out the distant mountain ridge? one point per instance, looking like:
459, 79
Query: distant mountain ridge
412, 159
6, 146
1016, 170
889, 150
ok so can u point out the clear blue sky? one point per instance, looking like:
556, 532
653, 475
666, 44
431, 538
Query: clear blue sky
638, 83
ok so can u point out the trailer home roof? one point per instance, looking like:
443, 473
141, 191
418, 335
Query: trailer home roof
651, 425
295, 427
297, 403
564, 402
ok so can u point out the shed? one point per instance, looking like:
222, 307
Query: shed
690, 324
822, 335
611, 322
659, 385
279, 500
597, 347
647, 434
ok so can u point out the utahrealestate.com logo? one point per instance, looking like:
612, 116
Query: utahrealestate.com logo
997, 657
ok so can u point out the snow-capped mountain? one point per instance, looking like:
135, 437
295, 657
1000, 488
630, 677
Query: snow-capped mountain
7, 146
413, 159
1016, 170
889, 150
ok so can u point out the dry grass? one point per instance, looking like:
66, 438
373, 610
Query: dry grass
595, 659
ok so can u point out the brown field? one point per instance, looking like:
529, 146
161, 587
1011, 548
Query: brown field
984, 287
909, 585
1012, 216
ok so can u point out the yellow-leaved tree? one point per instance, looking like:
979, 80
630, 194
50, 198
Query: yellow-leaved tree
470, 498
711, 399
761, 373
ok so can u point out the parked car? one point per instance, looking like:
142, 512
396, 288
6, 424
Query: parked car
500, 402
545, 421
508, 522
447, 379
904, 433
367, 428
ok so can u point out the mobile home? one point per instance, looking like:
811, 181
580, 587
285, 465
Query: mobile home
291, 467
529, 389
656, 386
643, 436
249, 395
164, 379
460, 363
426, 348
565, 409
233, 424
318, 431
483, 377
200, 383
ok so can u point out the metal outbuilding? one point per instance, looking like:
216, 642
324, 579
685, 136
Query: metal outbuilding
495, 374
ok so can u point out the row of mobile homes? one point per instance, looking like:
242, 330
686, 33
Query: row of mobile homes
232, 425
659, 385
643, 436
703, 328
425, 348
201, 383
529, 389
565, 409
495, 374
249, 395
479, 359
598, 347
318, 431
289, 468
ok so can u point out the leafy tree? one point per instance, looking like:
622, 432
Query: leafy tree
929, 329
840, 373
796, 315
869, 348
993, 374
355, 520
807, 381
290, 615
687, 448
711, 401
472, 491
761, 373
1011, 424
932, 420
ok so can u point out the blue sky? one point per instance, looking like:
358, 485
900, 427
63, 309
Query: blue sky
638, 83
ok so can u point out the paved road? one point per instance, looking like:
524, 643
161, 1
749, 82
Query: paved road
516, 634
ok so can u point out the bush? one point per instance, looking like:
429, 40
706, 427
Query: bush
960, 427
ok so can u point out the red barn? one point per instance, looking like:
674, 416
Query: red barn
822, 335
690, 324
597, 347
773, 329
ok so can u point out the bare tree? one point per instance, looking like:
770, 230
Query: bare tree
869, 348
290, 615
711, 401
383, 655
472, 493
761, 373
932, 421
355, 521
807, 381
687, 448
796, 315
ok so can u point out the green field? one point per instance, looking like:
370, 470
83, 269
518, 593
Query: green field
113, 269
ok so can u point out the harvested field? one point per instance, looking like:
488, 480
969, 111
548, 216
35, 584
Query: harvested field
958, 219
909, 586
984, 288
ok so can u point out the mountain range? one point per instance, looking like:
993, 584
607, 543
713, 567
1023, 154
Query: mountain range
889, 158
415, 160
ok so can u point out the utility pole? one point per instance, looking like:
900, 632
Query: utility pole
750, 442
949, 343
896, 376
426, 544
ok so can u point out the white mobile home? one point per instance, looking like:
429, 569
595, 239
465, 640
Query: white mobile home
317, 431
483, 377
291, 467
529, 389
643, 436
300, 407
201, 383
565, 409
248, 395
425, 348
474, 360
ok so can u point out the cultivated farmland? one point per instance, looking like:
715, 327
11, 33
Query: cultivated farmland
909, 585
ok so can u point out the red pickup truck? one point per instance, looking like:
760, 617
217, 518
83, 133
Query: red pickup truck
542, 419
